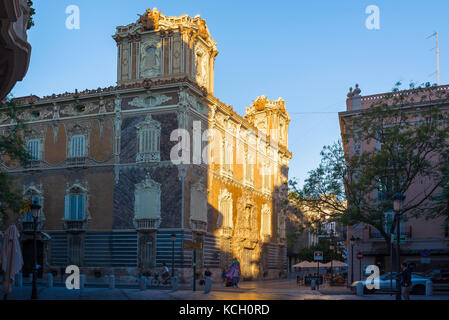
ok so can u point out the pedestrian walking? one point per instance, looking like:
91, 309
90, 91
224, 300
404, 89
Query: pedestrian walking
208, 281
235, 272
405, 277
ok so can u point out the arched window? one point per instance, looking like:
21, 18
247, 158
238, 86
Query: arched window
198, 207
225, 208
76, 204
33, 148
147, 203
266, 221
249, 169
78, 146
227, 156
149, 139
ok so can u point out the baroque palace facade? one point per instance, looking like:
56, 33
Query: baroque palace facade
103, 171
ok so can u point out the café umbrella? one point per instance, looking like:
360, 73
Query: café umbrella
307, 264
334, 264
11, 260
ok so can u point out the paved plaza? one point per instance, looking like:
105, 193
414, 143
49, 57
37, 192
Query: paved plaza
255, 290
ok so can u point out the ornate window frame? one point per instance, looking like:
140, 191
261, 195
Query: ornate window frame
225, 205
148, 141
78, 130
141, 189
266, 222
76, 189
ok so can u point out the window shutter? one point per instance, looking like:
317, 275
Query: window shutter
81, 206
73, 207
67, 207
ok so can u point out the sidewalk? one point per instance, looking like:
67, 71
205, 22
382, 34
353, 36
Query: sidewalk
256, 290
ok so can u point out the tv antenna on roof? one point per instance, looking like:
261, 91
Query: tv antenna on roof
435, 34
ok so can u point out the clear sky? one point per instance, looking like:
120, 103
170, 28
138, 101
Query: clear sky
307, 52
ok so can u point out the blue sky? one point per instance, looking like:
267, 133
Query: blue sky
307, 52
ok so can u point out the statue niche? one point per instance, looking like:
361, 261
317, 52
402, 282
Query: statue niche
150, 66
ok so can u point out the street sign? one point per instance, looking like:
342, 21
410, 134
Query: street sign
425, 260
190, 245
318, 256
359, 255
425, 253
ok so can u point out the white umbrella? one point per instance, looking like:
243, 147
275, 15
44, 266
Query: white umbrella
307, 264
11, 260
335, 264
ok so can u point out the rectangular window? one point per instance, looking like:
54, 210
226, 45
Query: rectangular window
33, 147
75, 207
78, 146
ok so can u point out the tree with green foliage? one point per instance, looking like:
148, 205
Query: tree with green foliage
12, 148
407, 135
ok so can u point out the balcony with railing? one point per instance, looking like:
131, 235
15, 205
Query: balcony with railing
33, 165
76, 161
75, 226
198, 226
147, 224
226, 232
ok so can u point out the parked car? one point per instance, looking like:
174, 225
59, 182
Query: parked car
387, 283
441, 277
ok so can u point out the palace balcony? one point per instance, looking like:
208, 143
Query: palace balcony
226, 232
198, 226
75, 226
147, 224
148, 157
34, 164
76, 161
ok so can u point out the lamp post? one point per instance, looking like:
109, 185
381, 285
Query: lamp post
35, 212
398, 206
173, 239
331, 247
353, 242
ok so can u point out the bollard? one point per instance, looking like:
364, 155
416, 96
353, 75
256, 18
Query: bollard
82, 281
19, 282
313, 284
111, 281
143, 283
208, 285
49, 280
429, 288
359, 289
174, 284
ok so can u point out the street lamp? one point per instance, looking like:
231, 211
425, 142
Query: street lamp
398, 206
35, 213
173, 239
353, 241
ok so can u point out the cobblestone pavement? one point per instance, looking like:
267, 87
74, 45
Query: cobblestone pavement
257, 290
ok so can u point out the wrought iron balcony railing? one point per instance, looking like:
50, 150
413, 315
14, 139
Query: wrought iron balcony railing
147, 224
198, 226
76, 161
75, 225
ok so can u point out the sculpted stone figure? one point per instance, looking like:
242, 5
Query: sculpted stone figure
150, 20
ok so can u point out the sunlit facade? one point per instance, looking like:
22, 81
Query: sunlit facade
120, 170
